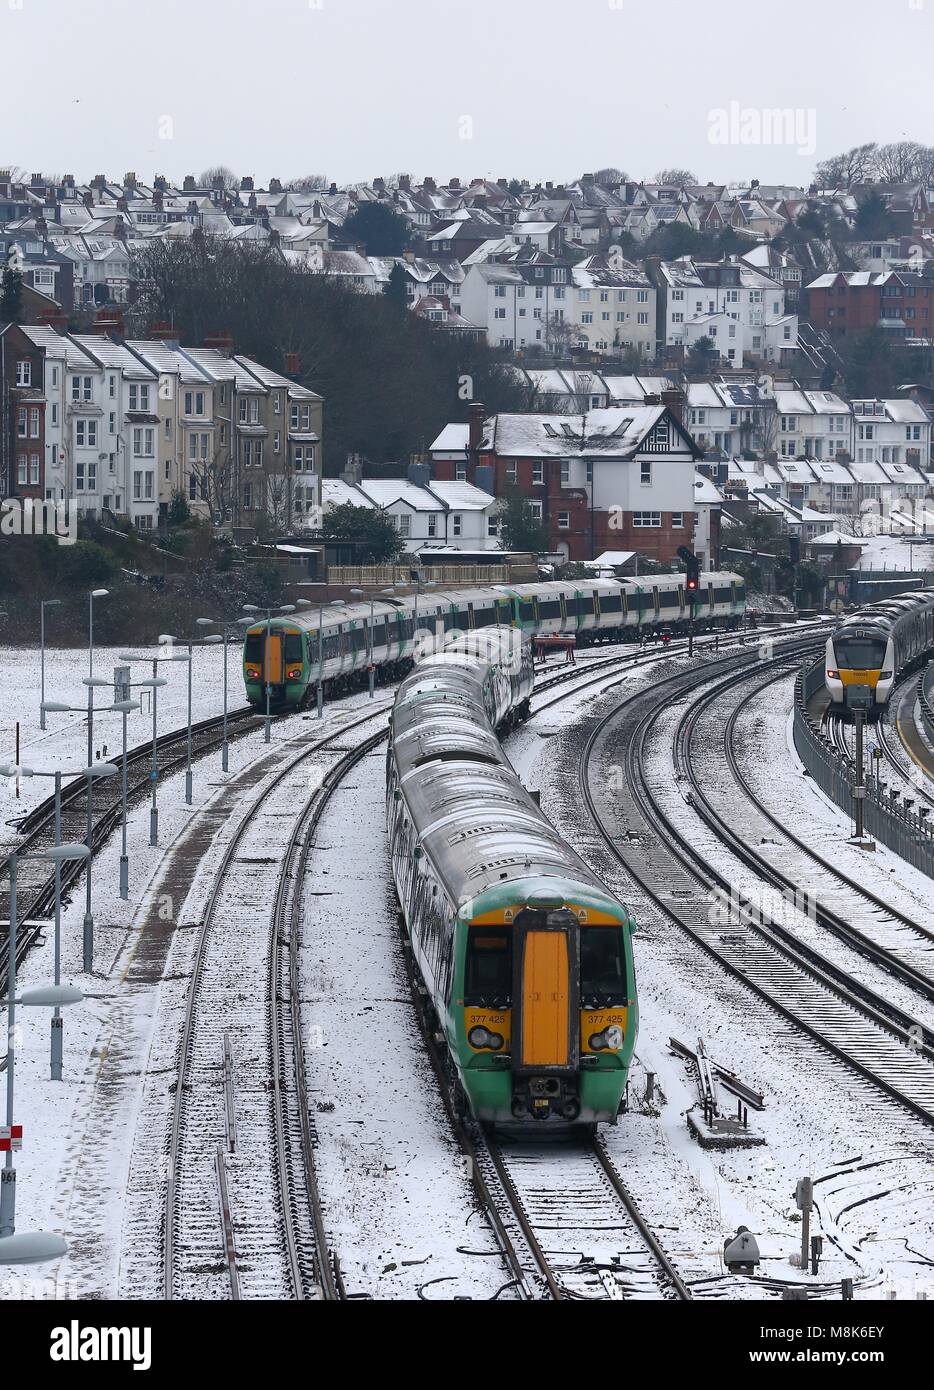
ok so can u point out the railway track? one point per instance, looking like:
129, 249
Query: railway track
36, 887
901, 947
828, 1008
243, 996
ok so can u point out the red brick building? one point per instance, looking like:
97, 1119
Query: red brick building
898, 302
613, 479
22, 415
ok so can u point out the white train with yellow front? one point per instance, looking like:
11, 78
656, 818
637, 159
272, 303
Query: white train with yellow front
871, 649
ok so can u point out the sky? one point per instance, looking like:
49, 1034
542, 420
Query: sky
538, 89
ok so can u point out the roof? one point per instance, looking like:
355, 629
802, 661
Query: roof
453, 438
616, 431
460, 497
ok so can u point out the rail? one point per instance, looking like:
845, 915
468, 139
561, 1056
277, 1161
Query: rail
900, 826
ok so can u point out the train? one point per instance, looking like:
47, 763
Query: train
525, 956
870, 650
287, 654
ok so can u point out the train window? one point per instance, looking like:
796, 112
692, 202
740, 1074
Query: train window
611, 603
454, 620
526, 610
483, 617
723, 594
603, 967
551, 609
293, 646
359, 638
740, 591
859, 653
669, 598
488, 971
253, 647
585, 604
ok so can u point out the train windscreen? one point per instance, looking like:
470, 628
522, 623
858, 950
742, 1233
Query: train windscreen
253, 648
603, 967
488, 972
859, 653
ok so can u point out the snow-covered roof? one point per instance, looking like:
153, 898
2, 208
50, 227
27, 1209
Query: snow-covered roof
336, 493
834, 537
461, 497
452, 439
617, 431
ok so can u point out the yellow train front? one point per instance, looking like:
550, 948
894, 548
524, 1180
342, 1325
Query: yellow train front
873, 648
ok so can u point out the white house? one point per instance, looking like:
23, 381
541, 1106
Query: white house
813, 424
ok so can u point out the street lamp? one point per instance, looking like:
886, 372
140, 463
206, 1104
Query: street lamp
58, 995
361, 593
45, 603
216, 637
95, 593
154, 683
252, 608
99, 770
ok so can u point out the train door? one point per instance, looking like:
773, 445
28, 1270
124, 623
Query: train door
545, 991
273, 659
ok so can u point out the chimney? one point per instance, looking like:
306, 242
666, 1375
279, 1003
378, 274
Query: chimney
68, 180
160, 182
429, 185
674, 399
405, 183
108, 321
549, 186
129, 180
454, 184
476, 415
273, 234
332, 189
409, 257
189, 184
251, 202
220, 342
42, 226
503, 184
157, 200
379, 185
588, 179
88, 200
419, 474
122, 204
352, 472
246, 184
275, 186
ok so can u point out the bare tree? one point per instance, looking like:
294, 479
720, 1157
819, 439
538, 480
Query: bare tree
678, 177
606, 178
219, 171
215, 483
843, 170
560, 336
310, 183
898, 162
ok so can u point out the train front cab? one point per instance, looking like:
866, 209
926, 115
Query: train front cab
859, 669
274, 657
549, 1014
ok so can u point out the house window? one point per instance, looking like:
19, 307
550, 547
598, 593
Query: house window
21, 469
80, 388
511, 472
457, 524
86, 434
277, 442
194, 402
564, 521
677, 521
277, 402
139, 398
565, 472
22, 422
538, 472
645, 474
432, 525
198, 445
24, 372
460, 472
404, 522
248, 496
646, 518
492, 526
536, 510
143, 443
79, 477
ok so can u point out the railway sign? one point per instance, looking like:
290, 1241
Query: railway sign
121, 684
11, 1138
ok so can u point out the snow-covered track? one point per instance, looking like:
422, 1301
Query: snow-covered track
815, 999
244, 988
36, 886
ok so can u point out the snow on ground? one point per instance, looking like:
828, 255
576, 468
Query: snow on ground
64, 743
873, 1178
396, 1192
79, 1134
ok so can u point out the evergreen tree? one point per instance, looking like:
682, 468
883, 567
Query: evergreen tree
382, 231
397, 286
11, 296
366, 524
519, 528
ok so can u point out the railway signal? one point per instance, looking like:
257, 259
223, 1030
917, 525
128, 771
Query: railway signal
691, 587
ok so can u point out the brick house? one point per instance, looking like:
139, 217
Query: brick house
22, 415
899, 302
612, 479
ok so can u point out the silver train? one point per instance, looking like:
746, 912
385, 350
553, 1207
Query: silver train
871, 649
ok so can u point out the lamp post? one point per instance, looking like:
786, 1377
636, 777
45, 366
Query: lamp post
46, 603
98, 770
361, 593
216, 637
252, 608
55, 996
95, 593
124, 707
154, 683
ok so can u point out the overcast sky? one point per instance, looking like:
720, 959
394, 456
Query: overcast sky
542, 89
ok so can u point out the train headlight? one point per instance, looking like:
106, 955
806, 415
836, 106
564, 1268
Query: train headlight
610, 1039
834, 675
480, 1037
885, 675
294, 674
